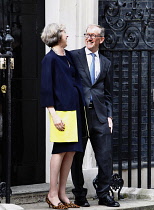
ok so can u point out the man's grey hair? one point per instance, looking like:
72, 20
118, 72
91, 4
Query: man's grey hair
102, 29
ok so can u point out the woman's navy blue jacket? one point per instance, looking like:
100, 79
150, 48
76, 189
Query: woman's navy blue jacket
57, 83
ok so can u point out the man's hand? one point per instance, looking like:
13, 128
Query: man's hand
110, 123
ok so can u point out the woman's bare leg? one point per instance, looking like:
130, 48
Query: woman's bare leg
64, 171
55, 167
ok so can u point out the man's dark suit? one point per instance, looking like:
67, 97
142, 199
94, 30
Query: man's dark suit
97, 118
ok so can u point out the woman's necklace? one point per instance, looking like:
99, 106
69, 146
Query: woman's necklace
59, 53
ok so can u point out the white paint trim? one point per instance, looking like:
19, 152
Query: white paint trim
76, 15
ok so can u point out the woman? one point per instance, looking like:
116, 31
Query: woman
61, 90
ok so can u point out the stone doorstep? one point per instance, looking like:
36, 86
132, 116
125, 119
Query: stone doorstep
37, 192
31, 193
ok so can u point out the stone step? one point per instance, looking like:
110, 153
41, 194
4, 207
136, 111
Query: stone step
31, 193
33, 197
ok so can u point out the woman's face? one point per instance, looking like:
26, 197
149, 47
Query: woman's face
63, 41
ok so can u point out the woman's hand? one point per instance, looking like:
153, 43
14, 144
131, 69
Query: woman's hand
57, 121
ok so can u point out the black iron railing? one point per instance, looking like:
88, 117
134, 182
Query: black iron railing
6, 66
129, 44
133, 111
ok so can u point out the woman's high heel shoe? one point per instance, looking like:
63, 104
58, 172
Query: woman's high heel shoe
60, 205
71, 205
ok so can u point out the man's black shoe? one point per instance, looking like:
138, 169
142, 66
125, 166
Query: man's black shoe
83, 203
107, 200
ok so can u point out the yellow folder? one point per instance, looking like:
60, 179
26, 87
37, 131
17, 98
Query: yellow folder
70, 134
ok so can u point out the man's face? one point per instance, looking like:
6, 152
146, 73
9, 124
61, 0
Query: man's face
92, 43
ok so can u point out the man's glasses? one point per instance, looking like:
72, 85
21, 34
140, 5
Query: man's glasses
93, 36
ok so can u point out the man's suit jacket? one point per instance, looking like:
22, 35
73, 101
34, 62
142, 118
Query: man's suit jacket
101, 89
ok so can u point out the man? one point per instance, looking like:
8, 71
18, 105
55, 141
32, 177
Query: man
96, 76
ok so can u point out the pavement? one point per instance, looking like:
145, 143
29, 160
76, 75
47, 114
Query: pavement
124, 204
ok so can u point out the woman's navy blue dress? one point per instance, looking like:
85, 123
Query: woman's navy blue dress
72, 146
62, 72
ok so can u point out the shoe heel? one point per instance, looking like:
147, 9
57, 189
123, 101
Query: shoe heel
48, 202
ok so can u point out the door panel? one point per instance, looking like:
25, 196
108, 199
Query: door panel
26, 19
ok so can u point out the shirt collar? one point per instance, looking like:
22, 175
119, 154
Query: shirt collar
88, 52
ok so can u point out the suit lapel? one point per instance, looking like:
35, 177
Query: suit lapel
83, 60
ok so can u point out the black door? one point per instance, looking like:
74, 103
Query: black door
26, 19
